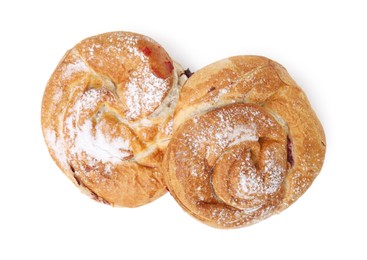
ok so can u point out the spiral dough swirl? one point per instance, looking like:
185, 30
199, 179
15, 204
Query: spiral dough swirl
246, 144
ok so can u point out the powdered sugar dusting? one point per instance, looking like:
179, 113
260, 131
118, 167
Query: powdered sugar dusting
100, 146
144, 91
224, 132
274, 169
103, 94
87, 101
255, 172
250, 180
90, 139
72, 68
131, 43
169, 128
241, 133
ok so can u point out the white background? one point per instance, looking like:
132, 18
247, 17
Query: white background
321, 43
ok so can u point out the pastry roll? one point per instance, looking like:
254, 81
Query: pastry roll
246, 143
107, 116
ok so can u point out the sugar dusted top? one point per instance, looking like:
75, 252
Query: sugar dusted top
99, 120
246, 145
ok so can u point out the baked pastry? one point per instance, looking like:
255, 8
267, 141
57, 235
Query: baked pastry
106, 115
246, 143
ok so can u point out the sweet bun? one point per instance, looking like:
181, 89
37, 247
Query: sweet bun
107, 116
246, 143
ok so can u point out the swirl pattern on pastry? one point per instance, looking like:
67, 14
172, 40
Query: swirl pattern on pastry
246, 143
106, 113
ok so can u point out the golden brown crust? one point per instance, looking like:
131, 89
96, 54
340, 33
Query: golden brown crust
100, 119
246, 143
